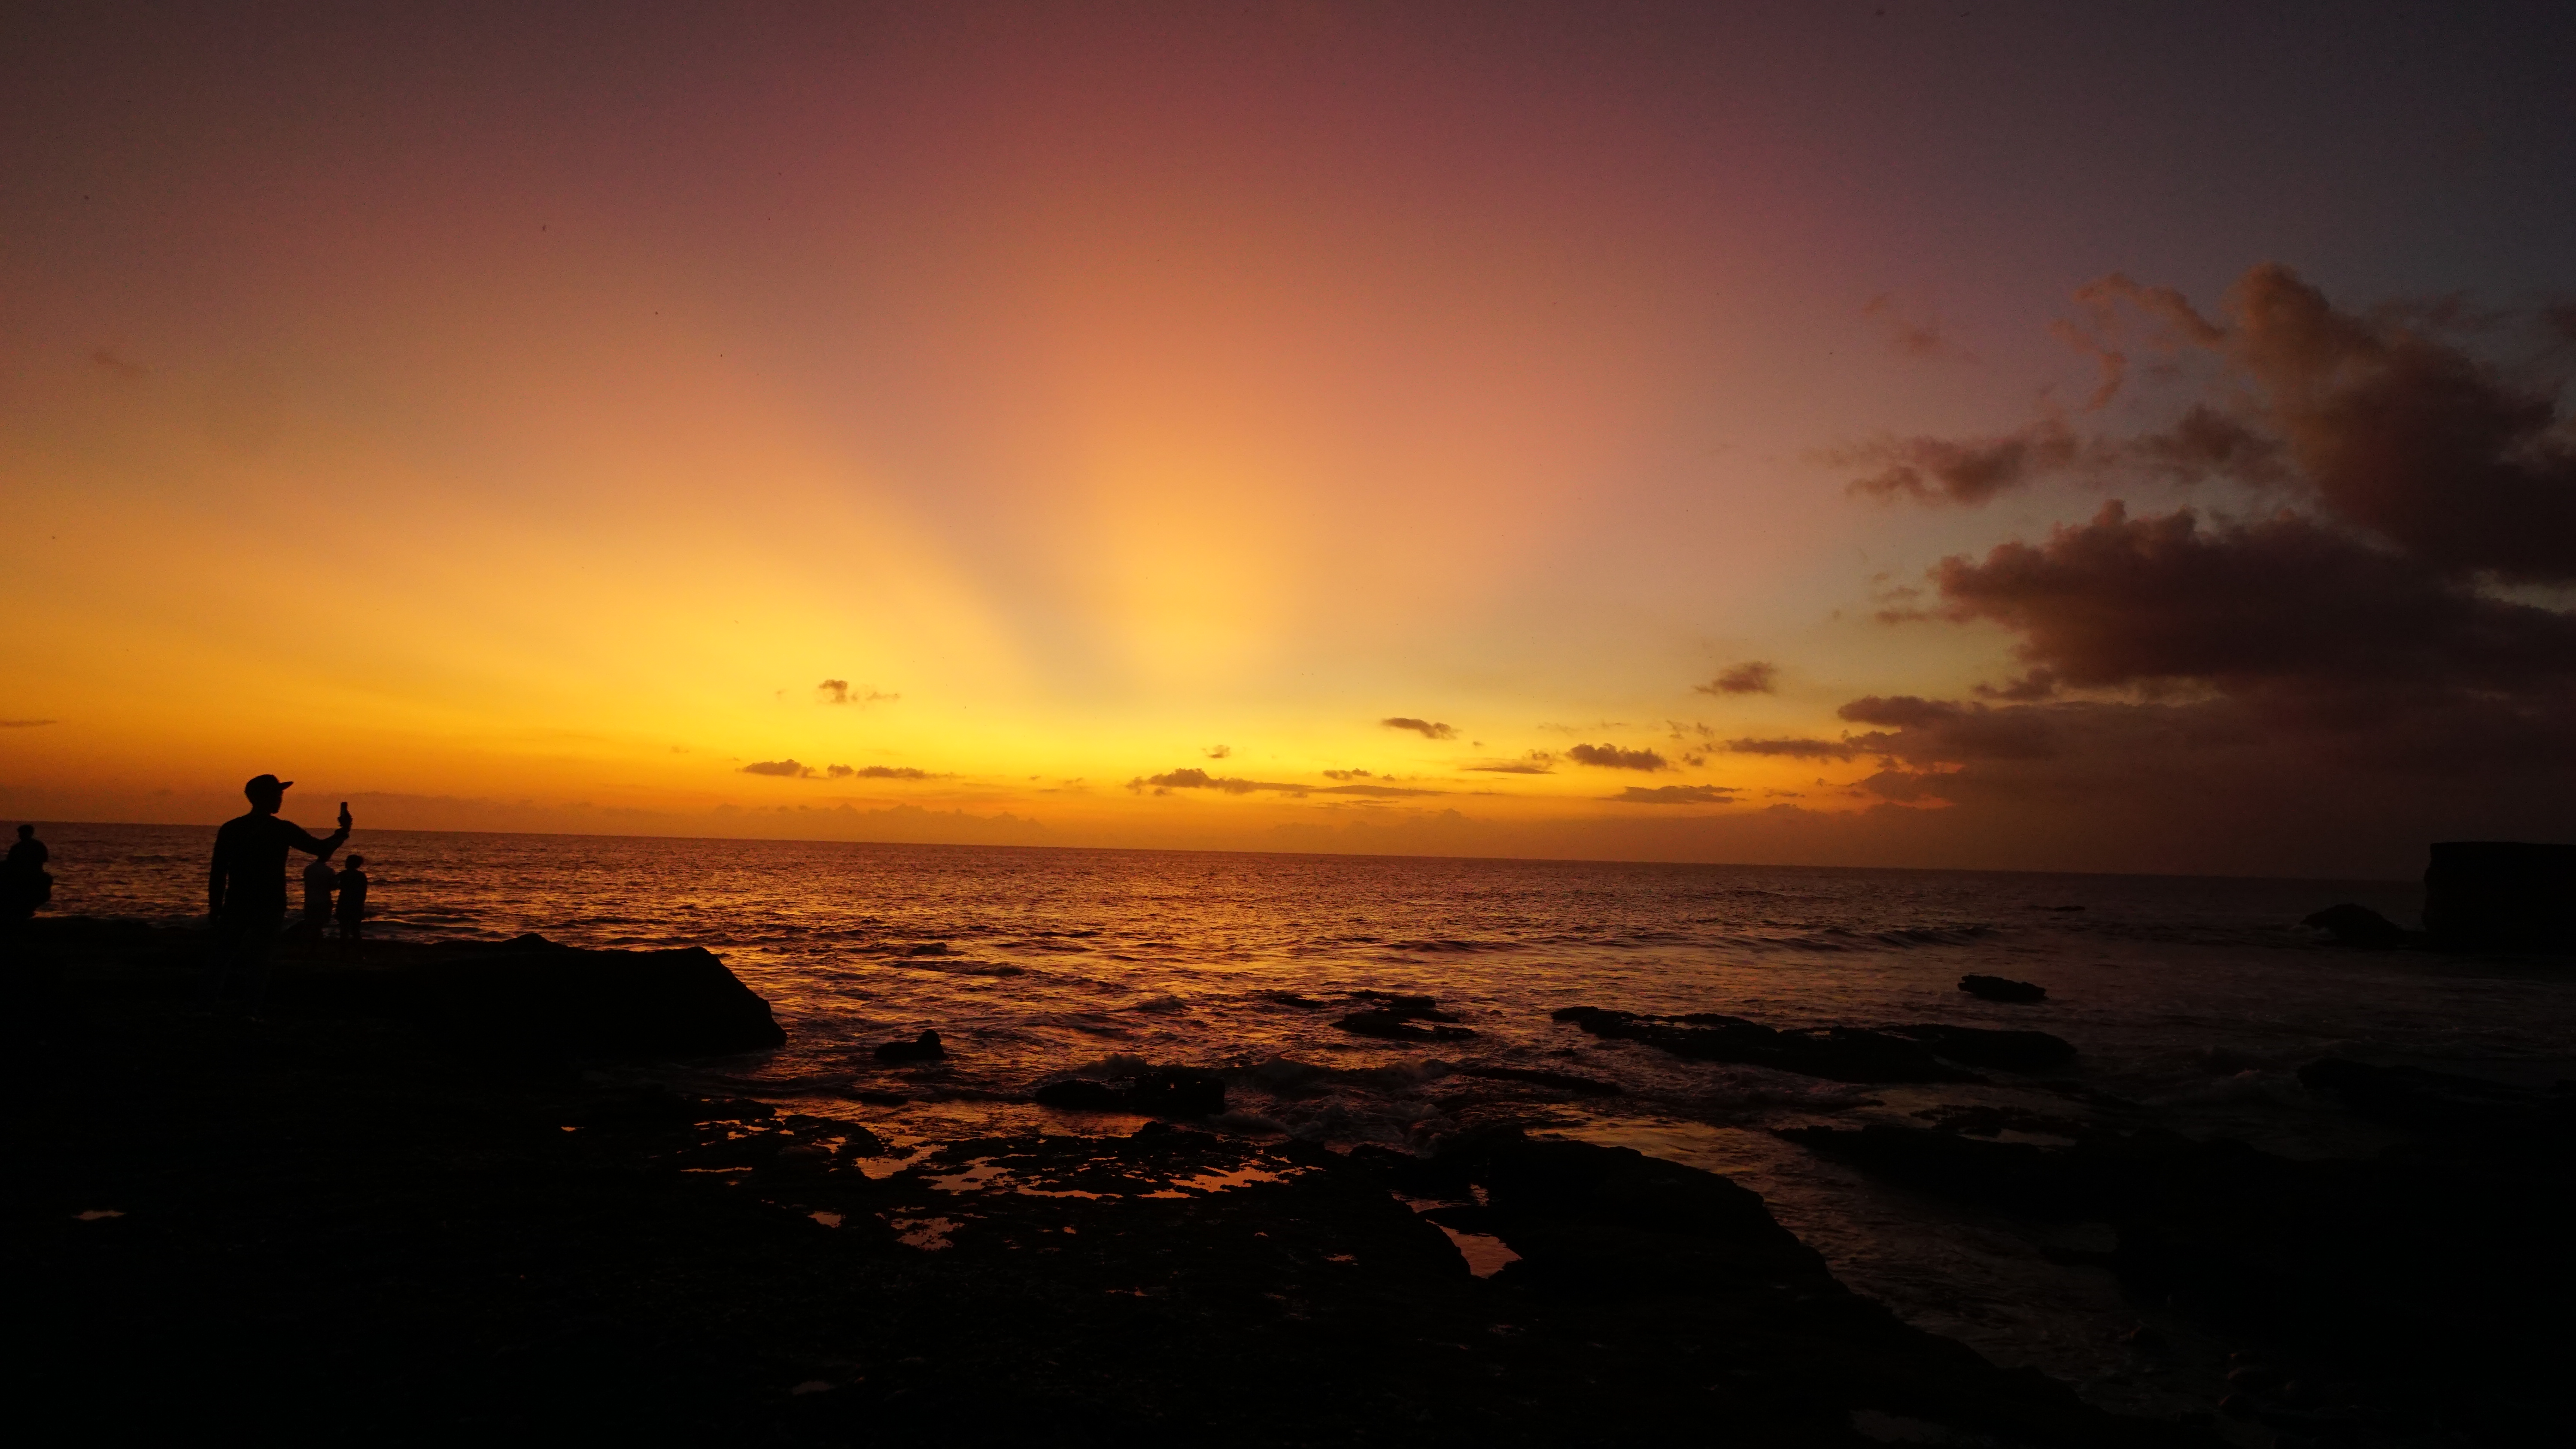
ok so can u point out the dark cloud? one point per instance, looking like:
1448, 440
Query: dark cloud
1675, 795
26, 724
1612, 757
1946, 730
1796, 749
1536, 762
783, 769
2036, 684
1217, 752
2390, 422
1346, 774
1197, 779
1754, 676
1428, 729
879, 772
2123, 600
1946, 470
839, 691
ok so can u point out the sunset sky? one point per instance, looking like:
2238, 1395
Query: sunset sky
2119, 437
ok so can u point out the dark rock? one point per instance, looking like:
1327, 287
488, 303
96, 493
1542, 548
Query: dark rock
923, 1048
2419, 1273
1839, 1054
2360, 926
2001, 988
1166, 1093
1291, 998
1397, 1018
533, 997
1976, 1046
656, 1105
2501, 895
860, 1142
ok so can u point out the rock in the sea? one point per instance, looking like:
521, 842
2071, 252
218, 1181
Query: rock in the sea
860, 1142
923, 1048
1400, 1018
1165, 1093
2001, 988
2351, 925
2501, 895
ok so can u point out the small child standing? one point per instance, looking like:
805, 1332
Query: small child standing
353, 905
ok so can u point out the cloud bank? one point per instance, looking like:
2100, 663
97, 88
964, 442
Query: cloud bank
1428, 729
2381, 640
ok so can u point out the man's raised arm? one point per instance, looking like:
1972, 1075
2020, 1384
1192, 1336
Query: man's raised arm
304, 840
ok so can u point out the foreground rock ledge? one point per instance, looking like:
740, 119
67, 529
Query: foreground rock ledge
337, 1226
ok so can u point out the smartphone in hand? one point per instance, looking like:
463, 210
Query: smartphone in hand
344, 814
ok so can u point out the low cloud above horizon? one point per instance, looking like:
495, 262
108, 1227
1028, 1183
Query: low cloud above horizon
839, 691
1612, 757
1754, 676
796, 770
1428, 729
1675, 795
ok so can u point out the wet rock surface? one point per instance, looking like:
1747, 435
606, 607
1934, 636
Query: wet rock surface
1836, 1053
1168, 1092
2415, 1298
2001, 988
2358, 926
1402, 1018
923, 1048
338, 1227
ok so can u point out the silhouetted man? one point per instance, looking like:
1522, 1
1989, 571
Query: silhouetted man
246, 890
353, 905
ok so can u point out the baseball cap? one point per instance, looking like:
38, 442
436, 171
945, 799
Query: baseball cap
261, 783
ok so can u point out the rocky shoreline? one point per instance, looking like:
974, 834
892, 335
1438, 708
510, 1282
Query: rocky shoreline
354, 1218
442, 1195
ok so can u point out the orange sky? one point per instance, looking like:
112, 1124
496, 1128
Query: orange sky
512, 423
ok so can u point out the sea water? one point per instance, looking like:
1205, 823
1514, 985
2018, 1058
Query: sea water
2196, 997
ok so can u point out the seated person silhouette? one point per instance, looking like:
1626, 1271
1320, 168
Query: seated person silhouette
24, 885
246, 887
353, 905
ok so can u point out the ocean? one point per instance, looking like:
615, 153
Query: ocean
2197, 997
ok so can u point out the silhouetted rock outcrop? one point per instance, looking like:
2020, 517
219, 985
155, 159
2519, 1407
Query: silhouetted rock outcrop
923, 1048
2434, 1276
1167, 1093
1401, 1018
2501, 895
2351, 925
1835, 1053
530, 996
2001, 988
